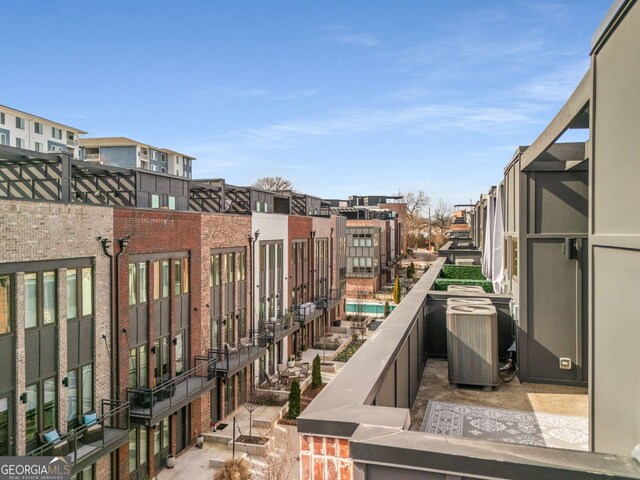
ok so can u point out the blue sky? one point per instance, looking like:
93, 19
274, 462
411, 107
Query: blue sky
341, 97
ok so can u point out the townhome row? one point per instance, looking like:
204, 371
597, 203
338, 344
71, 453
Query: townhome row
154, 301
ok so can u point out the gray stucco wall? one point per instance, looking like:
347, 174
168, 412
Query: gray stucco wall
615, 239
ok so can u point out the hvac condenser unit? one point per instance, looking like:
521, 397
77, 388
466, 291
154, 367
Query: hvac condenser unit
472, 345
465, 289
468, 301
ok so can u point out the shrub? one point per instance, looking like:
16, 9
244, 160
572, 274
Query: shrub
316, 373
294, 400
396, 291
443, 283
411, 270
234, 470
462, 272
268, 400
387, 309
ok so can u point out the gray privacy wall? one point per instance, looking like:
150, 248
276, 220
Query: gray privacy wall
546, 210
615, 232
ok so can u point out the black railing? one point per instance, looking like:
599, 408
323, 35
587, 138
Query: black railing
234, 357
110, 430
146, 401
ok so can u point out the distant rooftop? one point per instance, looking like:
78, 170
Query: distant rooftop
124, 141
37, 117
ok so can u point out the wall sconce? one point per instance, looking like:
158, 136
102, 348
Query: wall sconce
174, 341
23, 397
65, 381
153, 349
106, 243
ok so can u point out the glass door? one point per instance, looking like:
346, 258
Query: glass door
161, 443
6, 426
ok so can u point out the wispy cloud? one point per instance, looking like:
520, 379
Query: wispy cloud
414, 119
258, 93
359, 39
555, 86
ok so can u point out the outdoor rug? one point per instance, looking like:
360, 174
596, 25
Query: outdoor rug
510, 426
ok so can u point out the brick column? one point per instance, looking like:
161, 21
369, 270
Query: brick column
20, 408
325, 458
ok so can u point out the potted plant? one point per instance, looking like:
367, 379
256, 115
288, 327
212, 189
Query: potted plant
292, 361
171, 461
199, 440
214, 426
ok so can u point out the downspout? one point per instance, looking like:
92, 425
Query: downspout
105, 242
116, 348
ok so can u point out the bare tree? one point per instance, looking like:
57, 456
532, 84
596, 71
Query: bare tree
273, 183
359, 323
281, 462
417, 224
441, 221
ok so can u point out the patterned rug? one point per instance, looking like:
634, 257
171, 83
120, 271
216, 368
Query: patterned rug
510, 426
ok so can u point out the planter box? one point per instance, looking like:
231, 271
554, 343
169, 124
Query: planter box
251, 449
328, 368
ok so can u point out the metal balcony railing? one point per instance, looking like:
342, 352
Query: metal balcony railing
84, 445
229, 359
173, 394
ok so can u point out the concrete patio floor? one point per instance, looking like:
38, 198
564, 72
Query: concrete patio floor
534, 397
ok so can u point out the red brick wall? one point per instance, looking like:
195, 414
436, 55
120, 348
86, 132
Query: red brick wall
325, 458
299, 229
150, 232
218, 231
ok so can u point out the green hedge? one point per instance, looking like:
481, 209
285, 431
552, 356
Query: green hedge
462, 272
443, 283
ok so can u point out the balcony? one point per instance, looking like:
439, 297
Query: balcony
281, 327
308, 312
149, 405
92, 157
229, 360
86, 447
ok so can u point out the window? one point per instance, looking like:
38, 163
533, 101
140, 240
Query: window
179, 354
72, 294
185, 275
163, 170
215, 270
3, 139
155, 199
231, 267
20, 123
70, 136
39, 147
156, 280
165, 279
137, 283
38, 127
177, 279
137, 449
87, 291
41, 409
154, 155
56, 133
79, 393
5, 304
138, 366
162, 349
40, 299
178, 172
19, 143
2, 119
172, 203
241, 263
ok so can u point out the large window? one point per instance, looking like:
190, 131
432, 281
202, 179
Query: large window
40, 299
138, 369
79, 292
229, 266
137, 283
215, 270
41, 408
160, 279
161, 347
5, 304
241, 263
79, 393
20, 123
179, 353
137, 448
181, 279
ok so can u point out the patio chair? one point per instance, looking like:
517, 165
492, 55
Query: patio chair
50, 436
282, 367
94, 432
271, 381
304, 370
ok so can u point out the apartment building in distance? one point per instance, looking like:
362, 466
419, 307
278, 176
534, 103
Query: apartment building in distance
127, 153
31, 132
376, 240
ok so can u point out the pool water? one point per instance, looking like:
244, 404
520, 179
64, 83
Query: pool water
371, 308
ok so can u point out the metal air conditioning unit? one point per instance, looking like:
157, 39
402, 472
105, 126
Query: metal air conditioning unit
468, 301
472, 345
465, 289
